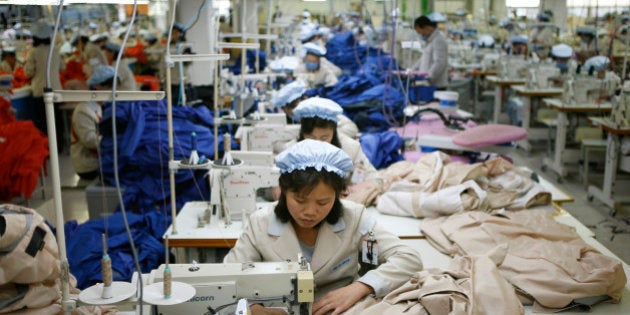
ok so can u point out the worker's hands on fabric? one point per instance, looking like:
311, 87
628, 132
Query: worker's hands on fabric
258, 309
340, 300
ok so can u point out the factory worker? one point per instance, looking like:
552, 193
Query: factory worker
290, 95
485, 42
588, 42
9, 60
518, 45
154, 50
85, 139
286, 65
90, 51
35, 69
561, 54
318, 119
311, 219
312, 71
127, 79
434, 59
312, 35
598, 67
542, 36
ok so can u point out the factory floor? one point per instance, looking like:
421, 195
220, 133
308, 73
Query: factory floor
612, 232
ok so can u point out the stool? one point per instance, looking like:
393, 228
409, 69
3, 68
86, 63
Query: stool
587, 146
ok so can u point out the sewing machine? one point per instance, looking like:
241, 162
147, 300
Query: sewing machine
587, 90
513, 67
263, 137
491, 62
234, 188
219, 287
461, 53
620, 114
539, 76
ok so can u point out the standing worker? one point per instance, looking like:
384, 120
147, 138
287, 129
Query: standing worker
434, 59
35, 69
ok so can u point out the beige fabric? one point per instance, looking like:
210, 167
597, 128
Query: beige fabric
464, 197
435, 186
18, 266
542, 254
472, 285
347, 127
335, 259
39, 295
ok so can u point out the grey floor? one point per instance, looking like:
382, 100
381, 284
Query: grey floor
612, 232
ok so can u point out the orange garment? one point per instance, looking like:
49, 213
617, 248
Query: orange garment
150, 81
23, 152
137, 52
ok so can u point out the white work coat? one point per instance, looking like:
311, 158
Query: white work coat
335, 260
434, 59
35, 69
363, 168
323, 76
84, 138
127, 79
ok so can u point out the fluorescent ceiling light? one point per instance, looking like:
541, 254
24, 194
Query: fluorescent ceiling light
56, 2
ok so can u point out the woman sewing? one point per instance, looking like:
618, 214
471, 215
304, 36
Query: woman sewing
310, 218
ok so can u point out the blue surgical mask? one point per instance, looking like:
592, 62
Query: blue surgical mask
311, 66
563, 66
421, 37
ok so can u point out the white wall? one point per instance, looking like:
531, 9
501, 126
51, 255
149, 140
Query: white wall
201, 36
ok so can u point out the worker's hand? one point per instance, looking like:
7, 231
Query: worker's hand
258, 309
340, 300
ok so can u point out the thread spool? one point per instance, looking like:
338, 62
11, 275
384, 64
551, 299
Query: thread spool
167, 272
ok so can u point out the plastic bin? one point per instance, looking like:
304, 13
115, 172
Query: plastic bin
421, 93
100, 199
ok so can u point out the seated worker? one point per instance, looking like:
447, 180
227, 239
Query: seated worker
518, 45
127, 79
313, 35
318, 119
561, 54
85, 139
312, 71
288, 97
8, 60
434, 59
598, 67
543, 35
588, 42
312, 178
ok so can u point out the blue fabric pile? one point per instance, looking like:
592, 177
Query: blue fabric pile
143, 170
345, 52
84, 252
143, 151
382, 149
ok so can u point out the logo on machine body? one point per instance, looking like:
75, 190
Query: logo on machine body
203, 298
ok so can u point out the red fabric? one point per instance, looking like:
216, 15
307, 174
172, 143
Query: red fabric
148, 80
74, 71
138, 53
23, 152
19, 78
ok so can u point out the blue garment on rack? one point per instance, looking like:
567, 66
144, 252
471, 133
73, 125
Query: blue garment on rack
382, 148
84, 251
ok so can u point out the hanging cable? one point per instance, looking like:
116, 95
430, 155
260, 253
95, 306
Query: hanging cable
134, 253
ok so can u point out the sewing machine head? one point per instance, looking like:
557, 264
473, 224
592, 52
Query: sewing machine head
219, 287
462, 52
491, 62
514, 67
234, 189
263, 137
539, 76
587, 89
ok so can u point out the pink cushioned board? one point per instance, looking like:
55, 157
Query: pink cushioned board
486, 135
